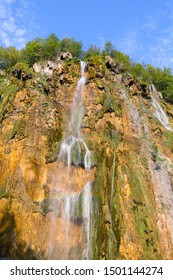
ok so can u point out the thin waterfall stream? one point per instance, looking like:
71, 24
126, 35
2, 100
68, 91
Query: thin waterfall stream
158, 111
72, 204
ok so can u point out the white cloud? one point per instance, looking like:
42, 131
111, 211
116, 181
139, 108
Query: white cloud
20, 32
15, 22
5, 38
9, 25
149, 25
129, 44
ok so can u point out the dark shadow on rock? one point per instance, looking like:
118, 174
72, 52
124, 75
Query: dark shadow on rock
7, 233
10, 246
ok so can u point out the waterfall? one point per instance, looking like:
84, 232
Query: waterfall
73, 209
158, 111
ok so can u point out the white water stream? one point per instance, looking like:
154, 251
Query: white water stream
75, 205
158, 111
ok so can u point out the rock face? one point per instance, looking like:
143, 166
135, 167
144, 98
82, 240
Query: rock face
131, 164
46, 68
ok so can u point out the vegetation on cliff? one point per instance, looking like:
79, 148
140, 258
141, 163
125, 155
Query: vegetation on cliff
48, 49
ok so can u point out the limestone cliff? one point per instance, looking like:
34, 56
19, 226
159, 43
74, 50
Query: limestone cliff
131, 161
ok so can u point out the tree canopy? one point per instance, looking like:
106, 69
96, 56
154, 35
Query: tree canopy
49, 48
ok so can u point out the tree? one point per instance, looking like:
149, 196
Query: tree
8, 57
93, 49
122, 59
51, 47
108, 48
33, 52
140, 73
71, 45
163, 80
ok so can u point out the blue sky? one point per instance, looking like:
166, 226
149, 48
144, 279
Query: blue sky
143, 29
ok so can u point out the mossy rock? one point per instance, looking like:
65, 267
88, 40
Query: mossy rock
99, 84
3, 192
22, 71
17, 129
7, 92
43, 84
94, 59
168, 140
110, 105
91, 73
154, 153
142, 204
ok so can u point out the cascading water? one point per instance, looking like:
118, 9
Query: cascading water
73, 203
158, 111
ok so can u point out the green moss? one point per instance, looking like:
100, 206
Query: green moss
112, 134
107, 88
7, 91
18, 127
144, 161
111, 105
143, 210
3, 192
42, 81
91, 73
154, 153
22, 67
94, 59
168, 140
99, 84
53, 142
106, 241
5, 188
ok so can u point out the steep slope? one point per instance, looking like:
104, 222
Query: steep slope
131, 169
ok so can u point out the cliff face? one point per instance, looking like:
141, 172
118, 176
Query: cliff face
130, 140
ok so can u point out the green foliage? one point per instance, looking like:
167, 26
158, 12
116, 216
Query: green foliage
92, 54
99, 84
168, 140
162, 79
22, 68
94, 58
47, 49
8, 57
51, 47
74, 47
108, 48
17, 126
33, 52
138, 71
122, 59
93, 49
3, 191
110, 105
154, 153
119, 57
144, 161
7, 93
